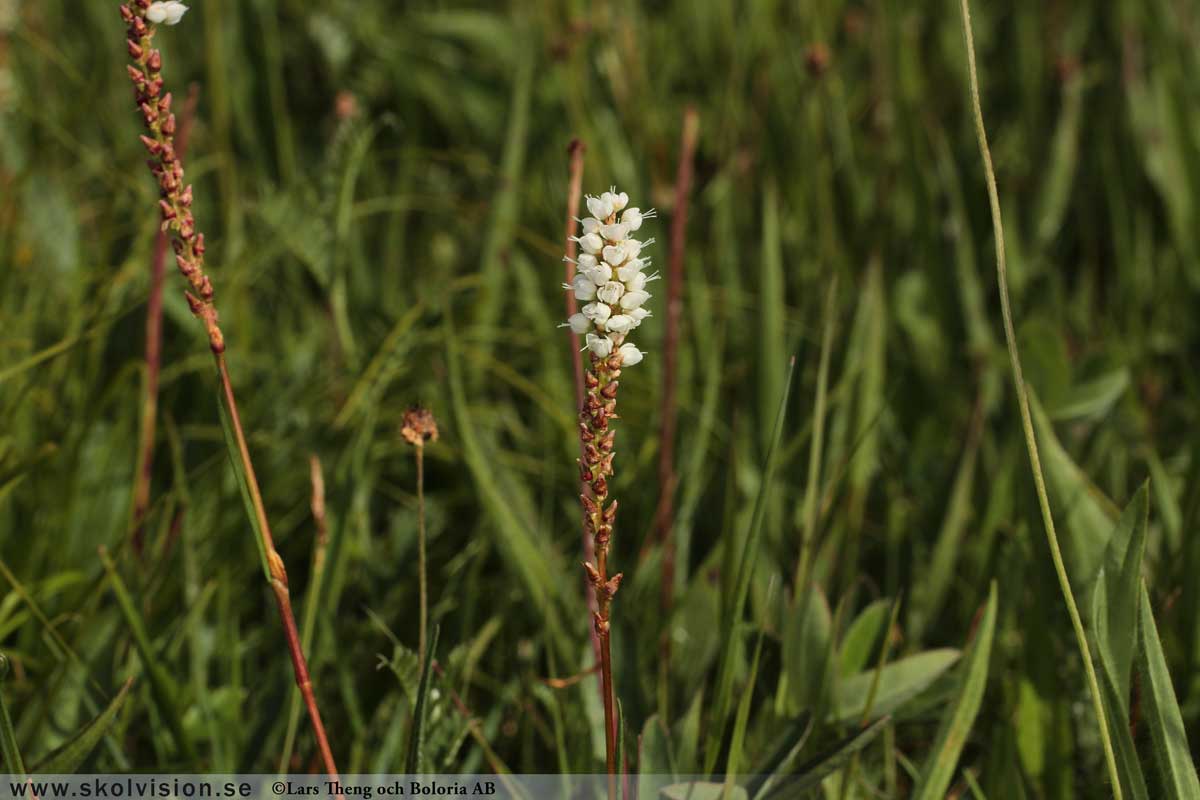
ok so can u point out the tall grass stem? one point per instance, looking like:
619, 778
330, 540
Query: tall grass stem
1039, 480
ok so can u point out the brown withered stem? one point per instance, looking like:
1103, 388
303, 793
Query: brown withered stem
158, 273
576, 151
420, 427
176, 208
664, 517
596, 435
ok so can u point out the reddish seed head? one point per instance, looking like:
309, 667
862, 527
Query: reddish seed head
186, 229
206, 288
154, 62
168, 126
185, 197
126, 14
135, 50
151, 145
610, 513
168, 213
148, 113
135, 75
164, 105
198, 246
138, 26
585, 473
610, 390
193, 303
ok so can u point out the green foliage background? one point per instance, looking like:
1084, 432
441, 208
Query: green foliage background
408, 250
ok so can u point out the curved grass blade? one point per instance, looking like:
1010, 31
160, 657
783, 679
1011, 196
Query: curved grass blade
67, 758
1162, 712
161, 685
898, 682
745, 571
8, 737
813, 772
956, 724
416, 743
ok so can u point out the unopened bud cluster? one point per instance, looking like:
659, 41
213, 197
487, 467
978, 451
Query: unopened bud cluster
610, 278
175, 202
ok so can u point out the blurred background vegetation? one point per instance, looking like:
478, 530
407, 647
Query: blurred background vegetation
383, 189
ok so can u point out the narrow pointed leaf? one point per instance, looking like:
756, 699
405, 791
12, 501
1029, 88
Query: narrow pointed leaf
68, 757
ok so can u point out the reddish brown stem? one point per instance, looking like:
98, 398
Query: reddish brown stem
576, 151
158, 272
664, 516
277, 574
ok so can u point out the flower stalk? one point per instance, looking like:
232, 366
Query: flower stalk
175, 205
611, 281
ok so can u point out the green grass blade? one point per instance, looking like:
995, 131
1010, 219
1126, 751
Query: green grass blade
1122, 577
8, 737
67, 758
415, 764
161, 685
749, 556
813, 772
235, 461
956, 724
1175, 764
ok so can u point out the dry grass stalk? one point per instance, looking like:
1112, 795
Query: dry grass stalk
141, 18
420, 427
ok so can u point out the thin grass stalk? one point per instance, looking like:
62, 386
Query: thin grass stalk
149, 424
10, 755
664, 518
321, 545
816, 450
420, 427
1039, 480
142, 18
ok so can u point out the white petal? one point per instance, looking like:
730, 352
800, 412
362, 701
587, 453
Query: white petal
600, 345
601, 209
615, 232
632, 218
611, 292
630, 355
636, 283
632, 247
586, 260
630, 299
584, 289
599, 274
591, 243
620, 323
638, 314
579, 323
615, 254
597, 312
630, 268
590, 225
620, 200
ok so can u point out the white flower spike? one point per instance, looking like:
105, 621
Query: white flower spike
610, 280
166, 13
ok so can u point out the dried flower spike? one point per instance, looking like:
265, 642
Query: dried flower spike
419, 426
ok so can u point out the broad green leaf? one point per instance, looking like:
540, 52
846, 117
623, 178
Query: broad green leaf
1171, 751
862, 636
67, 758
807, 640
956, 723
1088, 515
899, 682
1122, 577
1129, 768
1092, 399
